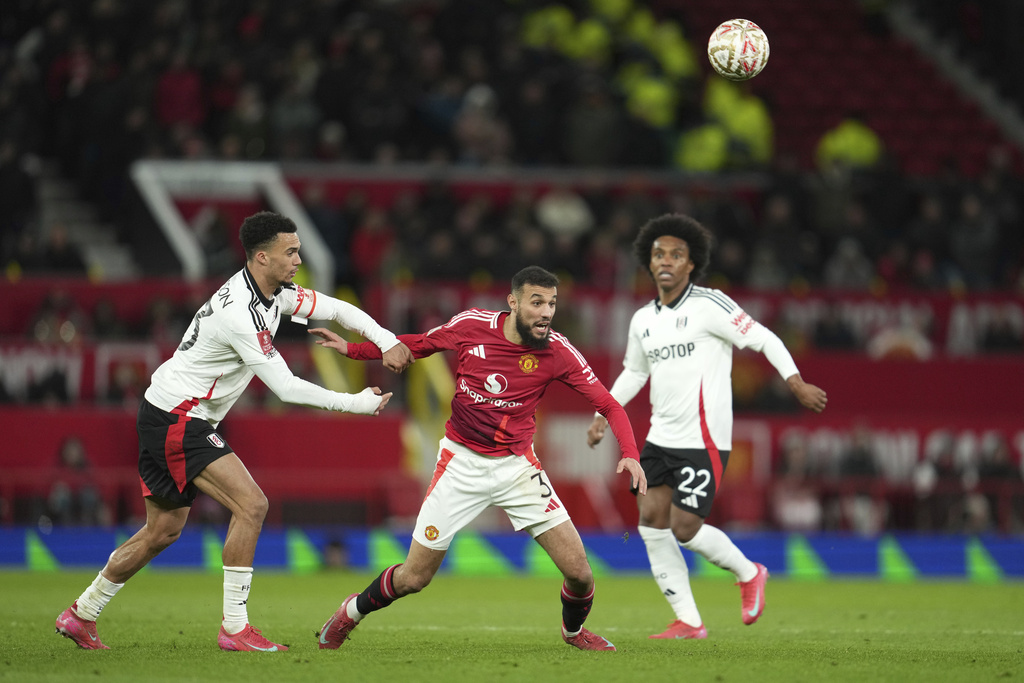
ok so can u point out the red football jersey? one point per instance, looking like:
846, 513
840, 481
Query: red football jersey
498, 384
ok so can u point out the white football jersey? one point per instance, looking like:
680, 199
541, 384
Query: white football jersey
686, 350
231, 339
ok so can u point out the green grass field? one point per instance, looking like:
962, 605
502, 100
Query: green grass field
163, 626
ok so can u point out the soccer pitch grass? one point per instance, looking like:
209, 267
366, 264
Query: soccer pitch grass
163, 627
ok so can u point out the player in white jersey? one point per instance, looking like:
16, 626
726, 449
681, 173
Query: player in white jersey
683, 342
230, 340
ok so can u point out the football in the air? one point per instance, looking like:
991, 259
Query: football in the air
738, 49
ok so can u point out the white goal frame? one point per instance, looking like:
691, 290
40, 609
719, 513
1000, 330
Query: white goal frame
159, 182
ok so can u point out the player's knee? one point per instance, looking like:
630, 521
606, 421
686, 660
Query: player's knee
260, 507
580, 576
254, 510
656, 521
686, 529
653, 515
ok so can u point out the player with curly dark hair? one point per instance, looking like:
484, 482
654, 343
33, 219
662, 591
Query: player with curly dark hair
682, 341
699, 241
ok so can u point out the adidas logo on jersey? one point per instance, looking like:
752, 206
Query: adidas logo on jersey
478, 351
690, 500
553, 505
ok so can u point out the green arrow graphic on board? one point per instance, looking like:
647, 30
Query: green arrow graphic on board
802, 562
472, 555
384, 550
303, 557
981, 568
893, 563
37, 555
213, 551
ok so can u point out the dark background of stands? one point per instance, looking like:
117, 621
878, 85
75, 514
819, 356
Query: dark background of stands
88, 87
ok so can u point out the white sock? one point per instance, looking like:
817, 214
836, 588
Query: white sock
670, 573
716, 547
353, 613
96, 597
237, 582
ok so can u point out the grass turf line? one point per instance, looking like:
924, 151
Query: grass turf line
163, 626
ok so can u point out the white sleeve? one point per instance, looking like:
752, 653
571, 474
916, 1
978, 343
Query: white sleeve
635, 371
279, 378
308, 303
627, 385
745, 332
777, 354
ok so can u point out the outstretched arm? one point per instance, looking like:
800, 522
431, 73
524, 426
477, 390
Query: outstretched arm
415, 345
753, 335
623, 431
579, 375
279, 379
307, 303
330, 340
613, 414
778, 355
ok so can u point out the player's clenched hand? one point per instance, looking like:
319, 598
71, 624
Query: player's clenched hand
596, 430
637, 478
331, 340
398, 358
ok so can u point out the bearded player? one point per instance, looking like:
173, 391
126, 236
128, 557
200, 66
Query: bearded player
506, 361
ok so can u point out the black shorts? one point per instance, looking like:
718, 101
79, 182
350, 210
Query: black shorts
173, 450
692, 473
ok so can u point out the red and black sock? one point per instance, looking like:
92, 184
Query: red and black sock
575, 608
380, 593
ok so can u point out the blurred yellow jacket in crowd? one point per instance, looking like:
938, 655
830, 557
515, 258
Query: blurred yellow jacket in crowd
852, 143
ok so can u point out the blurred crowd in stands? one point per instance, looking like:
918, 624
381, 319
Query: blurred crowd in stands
596, 84
585, 84
73, 497
966, 486
95, 85
861, 231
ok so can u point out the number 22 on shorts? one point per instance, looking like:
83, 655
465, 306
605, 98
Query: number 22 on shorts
690, 493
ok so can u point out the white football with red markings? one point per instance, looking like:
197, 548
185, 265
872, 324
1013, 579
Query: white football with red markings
738, 49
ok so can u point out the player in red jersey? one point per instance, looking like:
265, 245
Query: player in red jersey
506, 361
